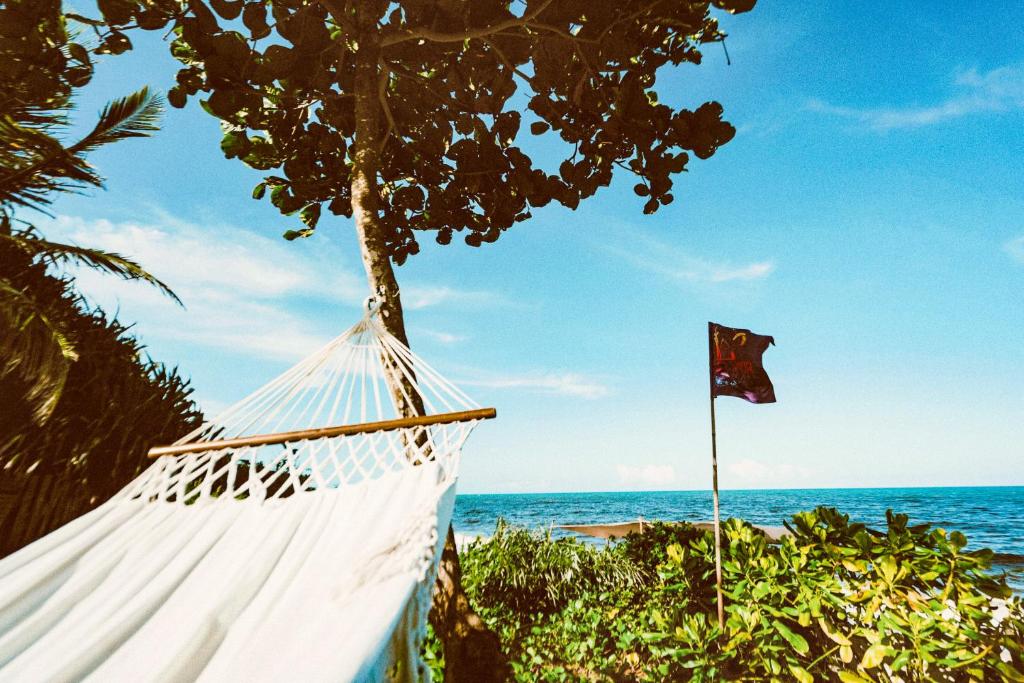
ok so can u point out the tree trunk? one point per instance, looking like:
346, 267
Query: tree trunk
472, 651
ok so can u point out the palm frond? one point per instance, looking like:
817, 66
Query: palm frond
34, 348
36, 164
134, 116
57, 252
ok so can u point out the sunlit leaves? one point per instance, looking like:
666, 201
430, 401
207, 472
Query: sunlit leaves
801, 674
797, 641
875, 655
789, 607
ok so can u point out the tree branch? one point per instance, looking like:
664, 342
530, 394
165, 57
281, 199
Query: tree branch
507, 62
426, 84
560, 32
337, 12
469, 34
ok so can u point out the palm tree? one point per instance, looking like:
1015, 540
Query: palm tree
35, 167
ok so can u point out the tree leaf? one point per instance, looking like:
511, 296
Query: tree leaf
850, 677
115, 264
834, 636
800, 674
874, 655
797, 641
887, 568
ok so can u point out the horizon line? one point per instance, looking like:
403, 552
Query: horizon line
708, 490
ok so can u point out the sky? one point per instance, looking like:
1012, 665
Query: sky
869, 215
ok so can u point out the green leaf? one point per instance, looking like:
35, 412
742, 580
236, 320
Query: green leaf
850, 677
295, 234
901, 660
134, 116
800, 674
834, 636
107, 261
35, 348
887, 568
235, 144
1010, 673
310, 215
874, 655
853, 566
796, 640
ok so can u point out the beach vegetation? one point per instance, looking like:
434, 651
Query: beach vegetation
116, 403
44, 63
835, 600
523, 570
81, 401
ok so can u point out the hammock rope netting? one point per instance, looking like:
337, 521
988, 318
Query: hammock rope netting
283, 558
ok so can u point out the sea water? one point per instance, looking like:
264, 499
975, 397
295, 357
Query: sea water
990, 517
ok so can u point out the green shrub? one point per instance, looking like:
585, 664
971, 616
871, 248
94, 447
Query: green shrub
116, 403
839, 601
528, 571
835, 601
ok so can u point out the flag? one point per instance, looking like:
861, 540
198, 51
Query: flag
735, 361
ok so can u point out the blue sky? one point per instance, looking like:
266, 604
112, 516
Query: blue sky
869, 214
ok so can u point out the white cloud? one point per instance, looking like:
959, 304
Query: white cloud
754, 271
415, 297
559, 383
235, 284
243, 291
202, 259
439, 336
1015, 248
673, 263
660, 476
755, 473
997, 90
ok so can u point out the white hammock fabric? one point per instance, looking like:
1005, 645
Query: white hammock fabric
305, 561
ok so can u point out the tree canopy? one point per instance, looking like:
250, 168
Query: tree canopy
455, 84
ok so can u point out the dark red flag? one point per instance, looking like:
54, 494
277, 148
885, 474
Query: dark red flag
736, 369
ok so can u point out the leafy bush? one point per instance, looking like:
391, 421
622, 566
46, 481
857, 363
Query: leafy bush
835, 601
838, 601
116, 403
530, 571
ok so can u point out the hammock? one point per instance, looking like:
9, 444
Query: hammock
257, 548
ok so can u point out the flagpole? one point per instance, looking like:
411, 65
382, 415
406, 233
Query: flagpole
714, 484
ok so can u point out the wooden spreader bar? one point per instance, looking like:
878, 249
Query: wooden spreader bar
324, 432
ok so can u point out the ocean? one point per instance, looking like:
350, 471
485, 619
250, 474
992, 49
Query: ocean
990, 517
